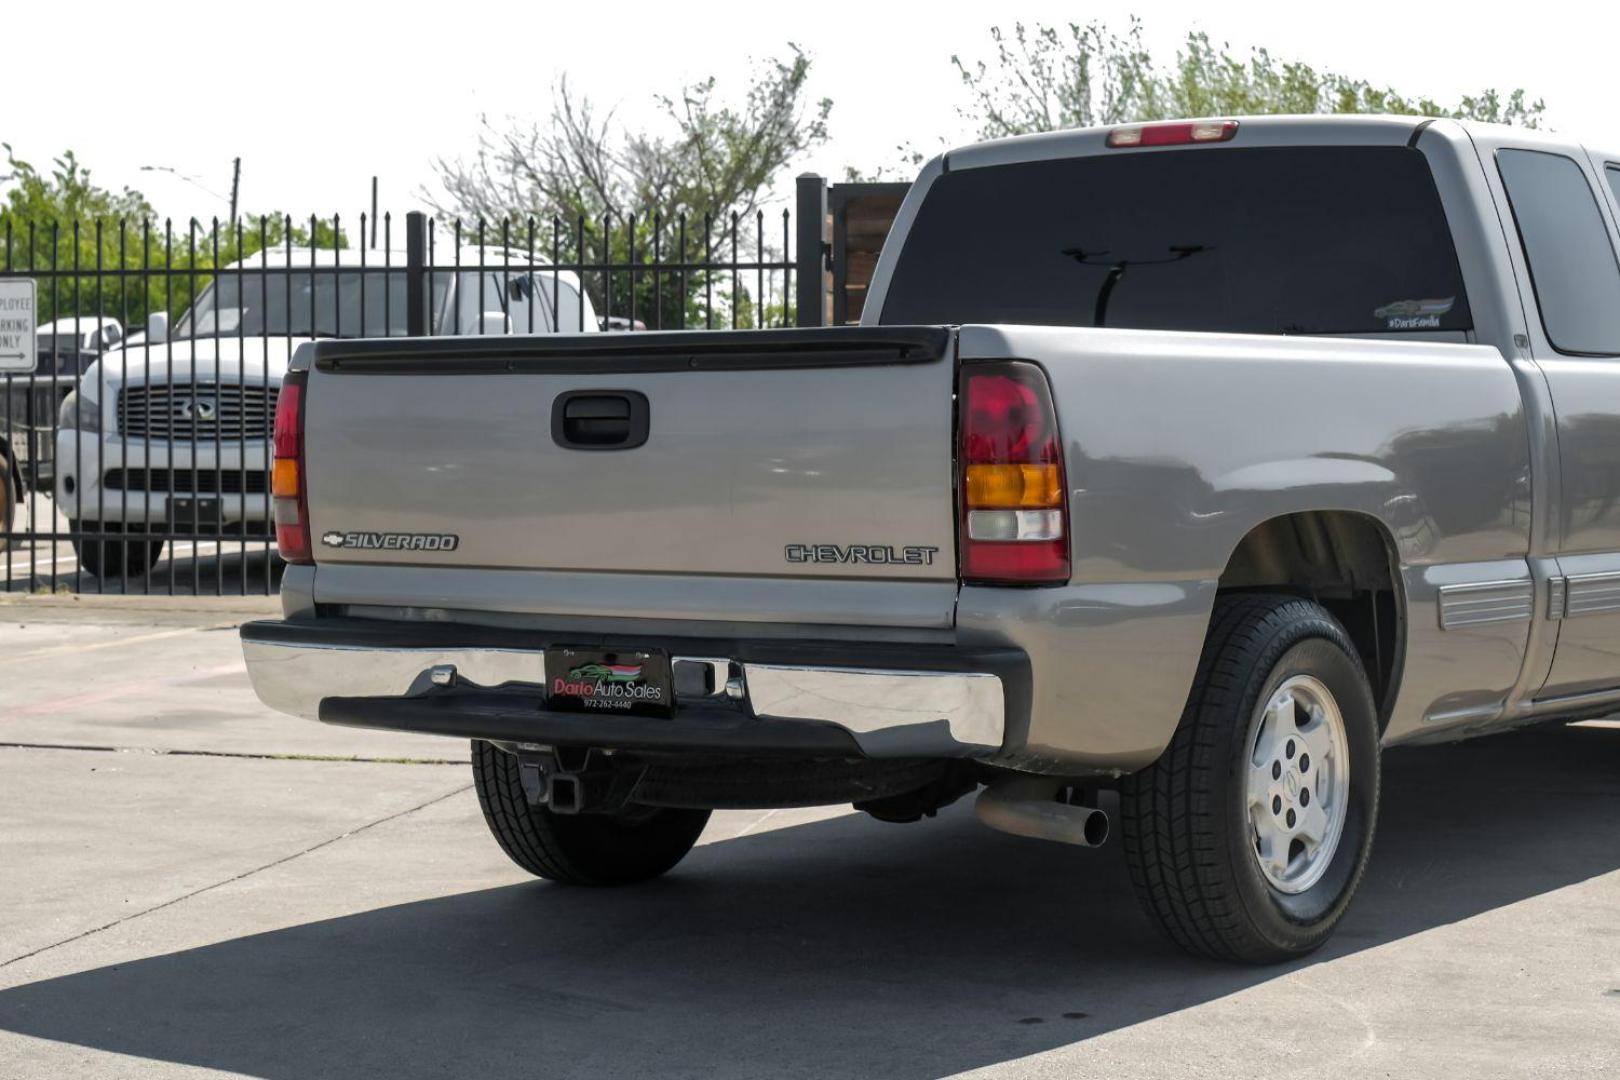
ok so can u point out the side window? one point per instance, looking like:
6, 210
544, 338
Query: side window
512, 292
528, 304
1566, 243
568, 304
1614, 181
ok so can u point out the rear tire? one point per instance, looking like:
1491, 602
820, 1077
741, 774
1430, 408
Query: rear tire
113, 558
1202, 825
618, 848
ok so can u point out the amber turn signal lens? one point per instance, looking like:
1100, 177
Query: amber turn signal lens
284, 479
1014, 487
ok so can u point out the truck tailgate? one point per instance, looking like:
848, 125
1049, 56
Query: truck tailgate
810, 456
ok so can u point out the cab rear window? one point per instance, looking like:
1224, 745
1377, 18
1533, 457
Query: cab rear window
1295, 240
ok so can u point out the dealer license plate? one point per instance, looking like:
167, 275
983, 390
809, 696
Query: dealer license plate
628, 681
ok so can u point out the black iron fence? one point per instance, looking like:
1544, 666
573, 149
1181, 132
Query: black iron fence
151, 475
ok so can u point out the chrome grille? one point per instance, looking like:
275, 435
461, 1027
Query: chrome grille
200, 412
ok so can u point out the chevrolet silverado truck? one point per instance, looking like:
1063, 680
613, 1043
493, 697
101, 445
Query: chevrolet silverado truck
1196, 461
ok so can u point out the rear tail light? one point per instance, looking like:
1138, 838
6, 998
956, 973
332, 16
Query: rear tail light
287, 472
1013, 529
1201, 131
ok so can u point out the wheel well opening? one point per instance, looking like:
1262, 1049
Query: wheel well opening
1345, 562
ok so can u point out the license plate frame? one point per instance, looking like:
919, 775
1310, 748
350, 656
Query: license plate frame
611, 682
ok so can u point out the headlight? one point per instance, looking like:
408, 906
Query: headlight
79, 410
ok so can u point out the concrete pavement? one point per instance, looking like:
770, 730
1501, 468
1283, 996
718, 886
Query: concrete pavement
182, 905
233, 567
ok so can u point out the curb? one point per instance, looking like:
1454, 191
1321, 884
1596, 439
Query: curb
222, 606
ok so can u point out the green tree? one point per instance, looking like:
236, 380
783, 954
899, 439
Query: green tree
584, 187
1042, 78
59, 220
63, 227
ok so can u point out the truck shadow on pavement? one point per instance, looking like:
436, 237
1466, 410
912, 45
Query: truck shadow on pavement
841, 948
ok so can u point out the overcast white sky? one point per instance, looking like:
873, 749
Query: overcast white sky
318, 97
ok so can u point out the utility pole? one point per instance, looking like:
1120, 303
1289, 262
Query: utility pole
236, 185
373, 213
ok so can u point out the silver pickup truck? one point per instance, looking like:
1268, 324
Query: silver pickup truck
1193, 461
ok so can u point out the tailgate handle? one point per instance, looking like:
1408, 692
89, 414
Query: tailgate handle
599, 420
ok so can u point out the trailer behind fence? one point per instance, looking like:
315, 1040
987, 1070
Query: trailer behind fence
152, 474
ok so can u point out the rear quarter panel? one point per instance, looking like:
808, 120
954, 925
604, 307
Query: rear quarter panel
1177, 445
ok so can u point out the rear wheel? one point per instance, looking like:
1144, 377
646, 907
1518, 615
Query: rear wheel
1247, 838
630, 845
113, 557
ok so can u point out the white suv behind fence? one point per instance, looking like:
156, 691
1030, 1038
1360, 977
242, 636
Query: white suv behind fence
170, 438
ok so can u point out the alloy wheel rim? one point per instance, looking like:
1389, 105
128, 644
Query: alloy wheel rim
1298, 783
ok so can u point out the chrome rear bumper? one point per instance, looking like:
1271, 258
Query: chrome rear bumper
888, 712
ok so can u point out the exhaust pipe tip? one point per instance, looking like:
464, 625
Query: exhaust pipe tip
1095, 828
1031, 808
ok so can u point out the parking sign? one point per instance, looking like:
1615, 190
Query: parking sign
18, 308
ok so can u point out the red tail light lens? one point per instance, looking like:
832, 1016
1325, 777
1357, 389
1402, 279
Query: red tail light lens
1013, 528
287, 473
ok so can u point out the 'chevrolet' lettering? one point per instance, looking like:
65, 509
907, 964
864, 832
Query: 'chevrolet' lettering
872, 554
